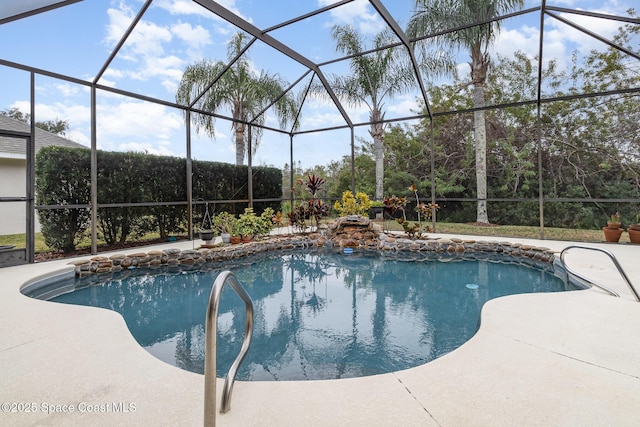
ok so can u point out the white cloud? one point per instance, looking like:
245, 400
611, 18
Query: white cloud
74, 113
321, 120
147, 39
78, 117
119, 21
560, 39
188, 7
555, 48
148, 53
182, 7
161, 149
220, 149
144, 50
113, 73
404, 105
357, 13
79, 136
163, 66
196, 37
222, 131
139, 125
585, 43
67, 89
524, 39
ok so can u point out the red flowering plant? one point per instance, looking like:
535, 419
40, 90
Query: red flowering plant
312, 209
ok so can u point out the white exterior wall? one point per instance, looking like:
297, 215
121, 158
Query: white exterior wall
13, 183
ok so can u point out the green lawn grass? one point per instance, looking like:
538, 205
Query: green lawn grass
566, 234
529, 232
20, 240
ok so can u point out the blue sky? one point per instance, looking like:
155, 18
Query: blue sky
76, 40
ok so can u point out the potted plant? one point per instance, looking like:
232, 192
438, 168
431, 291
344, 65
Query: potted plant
224, 222
207, 234
246, 225
206, 231
250, 225
634, 231
613, 230
266, 221
614, 221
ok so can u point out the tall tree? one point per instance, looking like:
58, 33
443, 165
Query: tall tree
374, 78
240, 90
439, 16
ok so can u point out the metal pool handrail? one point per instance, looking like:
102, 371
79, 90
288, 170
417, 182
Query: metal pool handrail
211, 327
615, 262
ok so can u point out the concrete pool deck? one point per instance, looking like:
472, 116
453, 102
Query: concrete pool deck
562, 359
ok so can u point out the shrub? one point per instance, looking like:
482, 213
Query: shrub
250, 224
63, 228
350, 205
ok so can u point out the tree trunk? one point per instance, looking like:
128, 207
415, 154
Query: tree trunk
239, 132
379, 153
377, 133
480, 137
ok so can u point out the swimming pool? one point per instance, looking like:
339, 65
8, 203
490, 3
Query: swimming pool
318, 314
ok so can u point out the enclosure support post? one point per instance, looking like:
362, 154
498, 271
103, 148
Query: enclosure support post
433, 177
538, 126
353, 160
30, 179
249, 171
291, 191
189, 172
94, 175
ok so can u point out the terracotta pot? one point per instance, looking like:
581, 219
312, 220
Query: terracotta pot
634, 235
235, 240
612, 234
613, 224
246, 239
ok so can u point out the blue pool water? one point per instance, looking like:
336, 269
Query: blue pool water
317, 315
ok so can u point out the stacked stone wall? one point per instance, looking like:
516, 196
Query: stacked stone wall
347, 232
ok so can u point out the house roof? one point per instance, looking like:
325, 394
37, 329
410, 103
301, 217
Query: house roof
15, 148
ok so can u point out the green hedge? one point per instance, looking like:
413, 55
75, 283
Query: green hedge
63, 178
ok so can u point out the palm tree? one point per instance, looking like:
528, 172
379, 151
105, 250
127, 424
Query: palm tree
237, 88
438, 16
375, 77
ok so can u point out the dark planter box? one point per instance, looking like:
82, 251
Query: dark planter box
376, 212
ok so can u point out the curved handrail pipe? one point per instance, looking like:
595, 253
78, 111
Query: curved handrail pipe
615, 263
211, 327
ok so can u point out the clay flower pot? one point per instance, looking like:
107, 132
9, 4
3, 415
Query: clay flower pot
612, 234
634, 234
